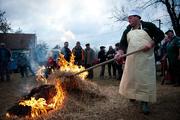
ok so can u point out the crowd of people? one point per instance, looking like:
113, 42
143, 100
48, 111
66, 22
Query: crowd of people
88, 57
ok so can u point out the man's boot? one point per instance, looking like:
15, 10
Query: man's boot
145, 107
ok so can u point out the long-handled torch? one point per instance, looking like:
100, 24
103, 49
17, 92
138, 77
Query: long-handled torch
105, 62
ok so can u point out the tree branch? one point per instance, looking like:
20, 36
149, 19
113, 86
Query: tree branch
119, 14
150, 3
173, 10
162, 1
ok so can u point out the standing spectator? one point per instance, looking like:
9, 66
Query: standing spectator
22, 63
50, 66
102, 58
78, 53
110, 54
89, 57
5, 56
118, 65
173, 54
139, 77
66, 51
163, 57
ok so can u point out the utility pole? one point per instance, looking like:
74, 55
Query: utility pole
159, 20
159, 23
156, 50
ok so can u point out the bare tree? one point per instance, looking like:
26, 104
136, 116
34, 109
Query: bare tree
4, 25
172, 7
119, 14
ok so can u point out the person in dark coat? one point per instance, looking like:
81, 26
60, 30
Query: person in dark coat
118, 66
102, 58
78, 53
164, 62
173, 55
89, 58
5, 56
110, 55
66, 51
22, 63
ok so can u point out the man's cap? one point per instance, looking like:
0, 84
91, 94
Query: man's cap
102, 47
134, 12
87, 44
169, 31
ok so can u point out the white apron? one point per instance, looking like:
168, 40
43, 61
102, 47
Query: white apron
139, 75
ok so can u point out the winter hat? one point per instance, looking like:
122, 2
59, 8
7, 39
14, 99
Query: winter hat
134, 12
102, 47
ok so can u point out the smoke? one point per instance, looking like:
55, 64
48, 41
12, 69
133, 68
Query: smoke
68, 36
37, 56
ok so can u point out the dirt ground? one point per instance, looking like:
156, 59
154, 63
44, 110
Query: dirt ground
112, 106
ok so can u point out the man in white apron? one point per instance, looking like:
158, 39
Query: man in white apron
139, 78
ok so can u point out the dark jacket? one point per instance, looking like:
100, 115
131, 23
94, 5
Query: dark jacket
67, 53
172, 48
102, 55
155, 33
110, 54
78, 53
5, 54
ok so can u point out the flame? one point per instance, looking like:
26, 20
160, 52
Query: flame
59, 98
71, 67
40, 105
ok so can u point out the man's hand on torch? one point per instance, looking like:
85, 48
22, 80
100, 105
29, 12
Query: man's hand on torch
118, 57
148, 46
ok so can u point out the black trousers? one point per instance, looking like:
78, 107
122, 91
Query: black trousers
90, 72
23, 71
174, 69
102, 70
113, 66
119, 70
4, 71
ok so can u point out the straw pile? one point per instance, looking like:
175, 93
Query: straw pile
77, 91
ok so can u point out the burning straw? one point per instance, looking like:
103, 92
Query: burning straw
60, 86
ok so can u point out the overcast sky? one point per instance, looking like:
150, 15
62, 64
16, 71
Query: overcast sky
57, 21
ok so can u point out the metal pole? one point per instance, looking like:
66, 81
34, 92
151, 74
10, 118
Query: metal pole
159, 23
